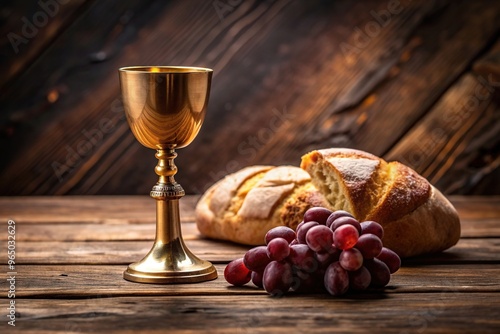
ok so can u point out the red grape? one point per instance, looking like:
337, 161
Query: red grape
345, 237
320, 238
298, 226
379, 271
301, 233
308, 283
373, 228
278, 249
236, 273
345, 221
391, 259
305, 285
303, 258
335, 215
277, 278
336, 279
257, 279
359, 279
280, 232
351, 259
317, 214
369, 245
325, 259
256, 259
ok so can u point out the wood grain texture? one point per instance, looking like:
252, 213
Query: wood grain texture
489, 65
283, 85
445, 312
118, 230
465, 118
96, 230
103, 30
138, 209
125, 252
91, 210
413, 81
29, 28
117, 252
69, 279
92, 281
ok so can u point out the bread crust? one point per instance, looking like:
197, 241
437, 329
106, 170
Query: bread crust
432, 227
288, 188
416, 217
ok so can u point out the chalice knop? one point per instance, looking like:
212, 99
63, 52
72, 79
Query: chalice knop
165, 108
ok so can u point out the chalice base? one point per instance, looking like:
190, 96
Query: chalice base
170, 263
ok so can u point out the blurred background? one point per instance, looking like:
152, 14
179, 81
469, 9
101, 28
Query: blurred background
414, 81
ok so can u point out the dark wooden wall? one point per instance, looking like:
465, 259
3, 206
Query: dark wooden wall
415, 81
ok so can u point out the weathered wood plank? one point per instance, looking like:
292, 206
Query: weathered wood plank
144, 232
447, 312
140, 209
462, 119
482, 172
484, 228
263, 71
489, 65
119, 230
28, 29
93, 232
93, 210
477, 207
71, 281
465, 251
124, 252
417, 72
116, 252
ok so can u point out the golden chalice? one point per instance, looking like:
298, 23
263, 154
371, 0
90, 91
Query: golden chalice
165, 108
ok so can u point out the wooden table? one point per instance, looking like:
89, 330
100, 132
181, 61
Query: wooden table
71, 252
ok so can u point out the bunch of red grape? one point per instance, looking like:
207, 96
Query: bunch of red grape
329, 250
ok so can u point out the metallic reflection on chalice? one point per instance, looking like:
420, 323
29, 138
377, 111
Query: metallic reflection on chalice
165, 108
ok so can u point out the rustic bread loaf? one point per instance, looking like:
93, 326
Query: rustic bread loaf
416, 217
243, 206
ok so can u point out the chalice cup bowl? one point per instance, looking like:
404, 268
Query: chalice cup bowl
165, 108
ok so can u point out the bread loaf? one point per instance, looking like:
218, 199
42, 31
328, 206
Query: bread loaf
243, 206
416, 217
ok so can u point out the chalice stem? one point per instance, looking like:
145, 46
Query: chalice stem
167, 192
166, 168
167, 211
